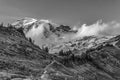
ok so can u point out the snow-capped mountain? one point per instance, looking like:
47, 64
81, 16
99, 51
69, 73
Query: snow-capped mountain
43, 31
31, 23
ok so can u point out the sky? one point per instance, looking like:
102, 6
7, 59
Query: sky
67, 12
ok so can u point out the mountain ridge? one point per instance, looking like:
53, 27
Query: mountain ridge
47, 31
94, 58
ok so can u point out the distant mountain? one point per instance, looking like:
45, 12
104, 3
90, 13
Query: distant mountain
31, 23
45, 32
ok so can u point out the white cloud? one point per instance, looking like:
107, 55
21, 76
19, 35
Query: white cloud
35, 32
99, 29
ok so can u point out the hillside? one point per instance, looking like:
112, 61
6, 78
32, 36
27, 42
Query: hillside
21, 59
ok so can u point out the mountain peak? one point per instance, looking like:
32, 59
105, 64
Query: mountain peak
43, 29
23, 22
28, 21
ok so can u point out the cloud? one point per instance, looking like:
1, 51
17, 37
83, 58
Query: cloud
99, 29
35, 32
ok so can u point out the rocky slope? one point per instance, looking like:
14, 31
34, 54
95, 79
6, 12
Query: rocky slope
79, 44
19, 58
95, 58
101, 62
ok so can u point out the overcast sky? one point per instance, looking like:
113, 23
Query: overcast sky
61, 11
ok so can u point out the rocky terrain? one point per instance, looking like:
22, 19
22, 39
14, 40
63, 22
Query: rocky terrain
87, 58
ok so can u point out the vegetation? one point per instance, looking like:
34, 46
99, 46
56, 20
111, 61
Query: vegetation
45, 48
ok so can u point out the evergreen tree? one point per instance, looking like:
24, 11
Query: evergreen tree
1, 25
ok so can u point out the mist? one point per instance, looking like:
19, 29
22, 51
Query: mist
98, 29
35, 32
